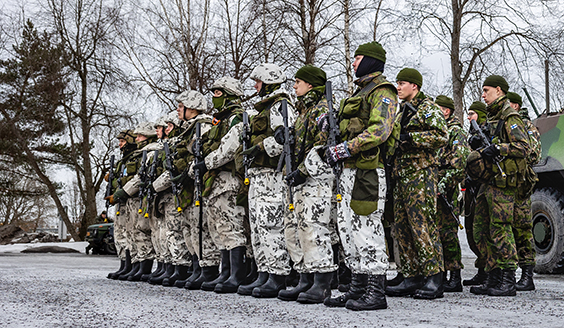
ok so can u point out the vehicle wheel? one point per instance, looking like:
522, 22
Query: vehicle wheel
547, 206
109, 247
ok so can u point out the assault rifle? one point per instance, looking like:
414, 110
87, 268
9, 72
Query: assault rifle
450, 208
286, 158
110, 179
333, 138
143, 176
246, 138
197, 147
152, 176
170, 167
486, 143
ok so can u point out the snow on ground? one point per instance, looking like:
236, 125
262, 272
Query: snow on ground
17, 248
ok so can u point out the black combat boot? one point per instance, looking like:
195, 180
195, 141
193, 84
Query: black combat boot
320, 290
306, 281
208, 273
194, 273
407, 287
293, 278
396, 280
345, 276
168, 272
356, 290
238, 272
180, 273
271, 287
163, 271
477, 280
526, 282
134, 268
374, 298
252, 271
248, 289
335, 277
150, 275
432, 289
121, 266
506, 285
126, 268
224, 274
454, 284
145, 267
493, 278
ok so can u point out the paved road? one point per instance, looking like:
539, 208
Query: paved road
48, 290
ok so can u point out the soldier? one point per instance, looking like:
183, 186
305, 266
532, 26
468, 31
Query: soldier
366, 121
523, 225
477, 112
102, 218
423, 132
127, 146
266, 203
307, 231
452, 161
505, 180
225, 219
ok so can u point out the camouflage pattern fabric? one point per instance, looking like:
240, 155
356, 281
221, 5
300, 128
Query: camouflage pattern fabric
333, 228
120, 237
417, 233
534, 142
130, 209
469, 215
174, 233
211, 255
362, 237
448, 234
266, 218
159, 243
141, 233
523, 232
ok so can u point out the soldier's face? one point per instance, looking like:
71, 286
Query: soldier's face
490, 94
515, 106
446, 111
357, 60
160, 131
180, 111
169, 127
258, 85
122, 143
406, 90
140, 138
472, 115
301, 87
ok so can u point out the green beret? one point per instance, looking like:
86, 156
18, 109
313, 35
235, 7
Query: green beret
480, 109
372, 49
495, 81
445, 101
410, 75
312, 75
515, 98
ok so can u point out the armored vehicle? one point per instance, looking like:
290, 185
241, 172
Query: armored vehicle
100, 238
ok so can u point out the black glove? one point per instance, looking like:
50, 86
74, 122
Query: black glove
279, 135
179, 179
201, 166
296, 178
405, 137
120, 196
490, 152
252, 152
475, 142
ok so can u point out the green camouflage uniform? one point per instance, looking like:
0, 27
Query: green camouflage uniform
307, 231
495, 203
452, 161
120, 234
415, 202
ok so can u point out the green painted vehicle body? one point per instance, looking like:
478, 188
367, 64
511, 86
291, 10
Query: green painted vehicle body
100, 238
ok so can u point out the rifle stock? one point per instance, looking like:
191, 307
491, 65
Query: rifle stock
110, 179
486, 143
334, 137
288, 152
170, 168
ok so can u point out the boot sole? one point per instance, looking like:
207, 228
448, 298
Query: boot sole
370, 308
427, 297
307, 300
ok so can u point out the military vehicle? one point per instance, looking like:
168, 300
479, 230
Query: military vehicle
100, 238
547, 201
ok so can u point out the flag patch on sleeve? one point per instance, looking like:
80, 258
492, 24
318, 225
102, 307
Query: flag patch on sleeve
386, 101
514, 126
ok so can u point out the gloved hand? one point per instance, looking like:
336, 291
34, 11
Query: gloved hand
279, 135
111, 199
120, 196
178, 179
201, 166
475, 142
296, 178
107, 177
323, 122
337, 153
254, 151
490, 152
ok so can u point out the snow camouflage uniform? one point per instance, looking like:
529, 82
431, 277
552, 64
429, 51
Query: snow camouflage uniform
452, 162
495, 203
266, 206
366, 126
415, 202
308, 230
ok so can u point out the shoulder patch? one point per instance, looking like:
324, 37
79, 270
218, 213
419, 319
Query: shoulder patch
386, 100
428, 115
455, 142
514, 126
531, 132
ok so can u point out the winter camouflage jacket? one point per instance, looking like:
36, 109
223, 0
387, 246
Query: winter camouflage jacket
452, 157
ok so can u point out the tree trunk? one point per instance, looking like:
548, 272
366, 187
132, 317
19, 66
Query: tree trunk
455, 64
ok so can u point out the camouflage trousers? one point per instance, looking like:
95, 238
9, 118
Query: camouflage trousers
158, 237
266, 219
523, 232
448, 233
469, 214
308, 230
174, 221
415, 204
493, 227
120, 237
224, 217
129, 210
141, 233
362, 236
211, 255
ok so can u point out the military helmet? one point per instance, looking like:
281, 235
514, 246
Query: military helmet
160, 121
128, 136
478, 168
172, 117
230, 85
146, 129
194, 100
268, 73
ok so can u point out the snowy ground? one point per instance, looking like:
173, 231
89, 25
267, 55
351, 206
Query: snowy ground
70, 290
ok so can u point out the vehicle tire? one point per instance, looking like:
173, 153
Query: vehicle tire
547, 207
109, 247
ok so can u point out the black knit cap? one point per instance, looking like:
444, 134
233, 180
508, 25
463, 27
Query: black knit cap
495, 81
372, 49
445, 101
312, 75
515, 98
410, 75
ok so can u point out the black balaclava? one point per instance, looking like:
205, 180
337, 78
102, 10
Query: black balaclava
369, 65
